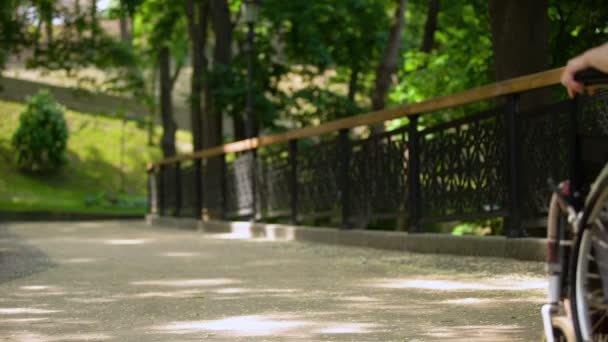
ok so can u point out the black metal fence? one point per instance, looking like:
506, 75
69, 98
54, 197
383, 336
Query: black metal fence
490, 164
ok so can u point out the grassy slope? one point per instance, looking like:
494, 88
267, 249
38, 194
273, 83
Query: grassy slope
94, 167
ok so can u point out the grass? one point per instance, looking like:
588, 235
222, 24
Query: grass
105, 172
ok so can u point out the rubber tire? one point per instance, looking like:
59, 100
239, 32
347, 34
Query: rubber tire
598, 191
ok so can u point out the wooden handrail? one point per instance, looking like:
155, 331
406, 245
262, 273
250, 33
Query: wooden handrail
490, 91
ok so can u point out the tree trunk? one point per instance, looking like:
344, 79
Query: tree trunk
125, 34
353, 83
151, 107
520, 32
166, 104
94, 23
389, 62
428, 41
197, 25
49, 30
222, 57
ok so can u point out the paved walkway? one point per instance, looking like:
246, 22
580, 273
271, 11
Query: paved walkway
125, 281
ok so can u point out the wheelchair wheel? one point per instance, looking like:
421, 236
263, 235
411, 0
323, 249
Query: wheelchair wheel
589, 292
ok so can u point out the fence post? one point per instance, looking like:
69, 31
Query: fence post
413, 174
514, 154
223, 187
152, 192
344, 183
198, 188
576, 170
254, 185
161, 190
178, 189
293, 180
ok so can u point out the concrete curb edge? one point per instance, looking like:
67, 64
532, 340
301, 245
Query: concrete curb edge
532, 249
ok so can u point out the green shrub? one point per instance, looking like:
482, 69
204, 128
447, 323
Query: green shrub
493, 226
40, 140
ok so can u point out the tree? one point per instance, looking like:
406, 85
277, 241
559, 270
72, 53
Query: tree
461, 57
12, 30
428, 41
520, 37
197, 15
388, 65
222, 58
162, 25
575, 28
520, 40
342, 36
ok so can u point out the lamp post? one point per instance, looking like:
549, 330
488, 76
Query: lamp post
250, 14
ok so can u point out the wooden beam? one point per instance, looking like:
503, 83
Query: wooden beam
490, 91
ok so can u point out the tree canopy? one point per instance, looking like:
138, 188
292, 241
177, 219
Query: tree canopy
314, 61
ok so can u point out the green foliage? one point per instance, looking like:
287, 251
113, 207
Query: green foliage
462, 59
40, 140
97, 164
480, 227
12, 35
316, 104
344, 36
575, 27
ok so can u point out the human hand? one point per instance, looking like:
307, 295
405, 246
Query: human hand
574, 65
593, 58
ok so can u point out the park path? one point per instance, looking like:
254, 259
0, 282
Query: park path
125, 281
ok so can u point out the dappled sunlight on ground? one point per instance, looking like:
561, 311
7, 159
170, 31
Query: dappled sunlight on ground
31, 311
486, 332
180, 254
186, 282
23, 320
76, 261
449, 285
92, 300
467, 301
126, 241
37, 287
174, 294
254, 291
27, 336
132, 283
283, 325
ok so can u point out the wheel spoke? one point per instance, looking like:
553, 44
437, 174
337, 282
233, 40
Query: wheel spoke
598, 323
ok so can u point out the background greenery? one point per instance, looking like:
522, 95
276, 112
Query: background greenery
95, 179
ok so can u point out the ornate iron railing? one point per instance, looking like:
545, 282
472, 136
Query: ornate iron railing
490, 164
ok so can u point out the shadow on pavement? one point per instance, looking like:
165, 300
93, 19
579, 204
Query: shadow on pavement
19, 259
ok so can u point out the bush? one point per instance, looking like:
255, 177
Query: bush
40, 140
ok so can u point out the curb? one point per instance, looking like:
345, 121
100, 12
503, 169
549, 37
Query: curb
532, 249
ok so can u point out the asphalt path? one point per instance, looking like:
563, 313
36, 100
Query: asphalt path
126, 281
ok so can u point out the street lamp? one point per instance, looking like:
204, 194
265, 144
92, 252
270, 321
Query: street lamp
251, 9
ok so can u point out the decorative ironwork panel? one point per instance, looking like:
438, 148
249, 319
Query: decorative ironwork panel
188, 190
462, 167
214, 176
239, 186
546, 136
273, 184
378, 176
594, 115
318, 168
593, 128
